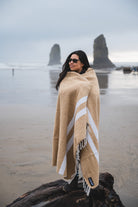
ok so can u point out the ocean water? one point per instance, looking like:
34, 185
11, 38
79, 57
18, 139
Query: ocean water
35, 83
26, 84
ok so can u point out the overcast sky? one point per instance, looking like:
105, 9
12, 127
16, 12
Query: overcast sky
29, 28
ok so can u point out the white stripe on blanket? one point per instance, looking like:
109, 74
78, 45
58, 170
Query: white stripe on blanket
92, 124
63, 165
93, 148
80, 113
81, 101
70, 142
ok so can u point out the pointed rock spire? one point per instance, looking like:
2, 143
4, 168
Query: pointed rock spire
100, 53
55, 56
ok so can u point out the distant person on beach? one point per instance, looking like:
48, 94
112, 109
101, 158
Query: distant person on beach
75, 139
12, 71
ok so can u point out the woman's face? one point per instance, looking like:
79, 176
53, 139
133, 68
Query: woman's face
75, 64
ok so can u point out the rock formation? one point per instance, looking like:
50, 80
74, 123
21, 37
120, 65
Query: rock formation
52, 195
100, 54
55, 57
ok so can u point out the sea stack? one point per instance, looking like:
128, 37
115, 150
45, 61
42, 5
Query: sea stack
100, 53
55, 57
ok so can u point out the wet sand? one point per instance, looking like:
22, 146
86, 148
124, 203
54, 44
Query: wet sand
26, 145
26, 140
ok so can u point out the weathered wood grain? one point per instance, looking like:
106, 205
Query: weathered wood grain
52, 195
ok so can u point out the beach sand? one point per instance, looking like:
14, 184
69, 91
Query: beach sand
26, 145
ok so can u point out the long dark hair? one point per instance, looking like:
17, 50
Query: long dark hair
65, 68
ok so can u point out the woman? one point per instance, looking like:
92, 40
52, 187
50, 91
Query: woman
75, 139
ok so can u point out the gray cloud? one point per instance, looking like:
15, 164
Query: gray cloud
25, 25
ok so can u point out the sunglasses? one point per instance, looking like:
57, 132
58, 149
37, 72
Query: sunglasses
73, 60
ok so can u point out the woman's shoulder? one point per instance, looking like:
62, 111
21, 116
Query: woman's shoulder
90, 71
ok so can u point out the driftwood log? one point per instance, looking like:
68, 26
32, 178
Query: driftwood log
52, 195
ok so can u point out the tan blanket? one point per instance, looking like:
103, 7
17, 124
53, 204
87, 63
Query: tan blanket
76, 127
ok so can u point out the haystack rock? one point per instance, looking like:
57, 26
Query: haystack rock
100, 54
55, 57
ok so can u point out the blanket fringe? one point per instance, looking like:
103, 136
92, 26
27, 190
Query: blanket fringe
86, 187
81, 145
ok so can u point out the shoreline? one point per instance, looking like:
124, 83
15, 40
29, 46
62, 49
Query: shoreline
26, 147
27, 113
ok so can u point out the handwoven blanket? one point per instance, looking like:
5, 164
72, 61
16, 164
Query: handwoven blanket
76, 127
